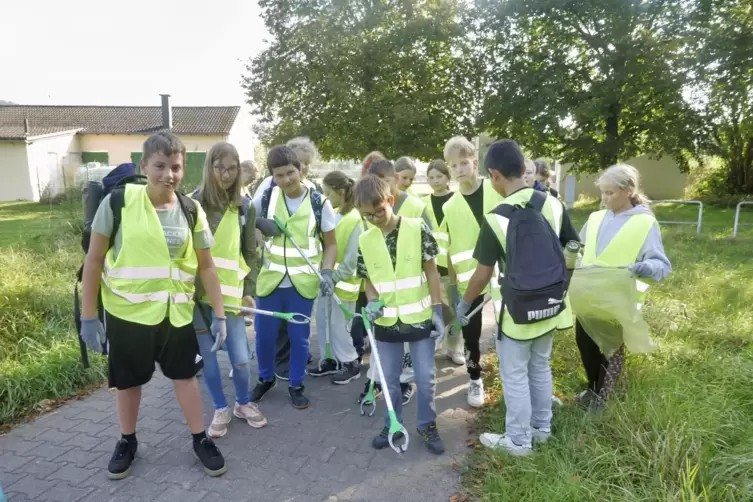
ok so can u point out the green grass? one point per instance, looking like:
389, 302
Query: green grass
683, 431
39, 356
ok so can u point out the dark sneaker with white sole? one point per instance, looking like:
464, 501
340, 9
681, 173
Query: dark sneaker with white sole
327, 367
209, 455
406, 390
300, 402
431, 438
122, 458
382, 441
347, 373
283, 374
261, 390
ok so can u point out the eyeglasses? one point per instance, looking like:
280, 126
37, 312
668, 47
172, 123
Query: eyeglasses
226, 170
376, 214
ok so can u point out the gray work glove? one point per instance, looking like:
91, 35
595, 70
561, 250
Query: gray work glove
93, 334
461, 311
327, 286
268, 227
641, 269
374, 310
219, 332
438, 321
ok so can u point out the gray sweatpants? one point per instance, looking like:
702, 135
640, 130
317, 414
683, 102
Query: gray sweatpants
339, 329
527, 384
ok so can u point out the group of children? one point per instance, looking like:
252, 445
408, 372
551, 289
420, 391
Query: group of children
171, 268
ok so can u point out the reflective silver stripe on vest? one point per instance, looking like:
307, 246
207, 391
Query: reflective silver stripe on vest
156, 296
347, 286
409, 309
227, 264
392, 286
465, 276
313, 249
231, 291
146, 273
274, 267
462, 256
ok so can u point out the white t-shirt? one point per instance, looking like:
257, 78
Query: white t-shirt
329, 220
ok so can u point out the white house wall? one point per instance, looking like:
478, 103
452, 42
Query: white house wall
242, 136
14, 172
47, 159
120, 146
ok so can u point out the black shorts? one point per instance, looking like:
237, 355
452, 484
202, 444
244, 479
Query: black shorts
134, 347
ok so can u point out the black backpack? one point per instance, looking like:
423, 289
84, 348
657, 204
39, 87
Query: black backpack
535, 279
114, 184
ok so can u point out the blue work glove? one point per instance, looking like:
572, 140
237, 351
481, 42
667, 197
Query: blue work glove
437, 319
454, 294
93, 334
219, 332
374, 310
327, 286
641, 269
268, 227
461, 311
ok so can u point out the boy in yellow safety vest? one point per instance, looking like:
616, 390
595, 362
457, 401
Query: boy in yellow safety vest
411, 207
625, 233
463, 218
147, 272
524, 349
286, 282
397, 261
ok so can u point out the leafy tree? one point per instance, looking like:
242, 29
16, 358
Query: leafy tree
362, 75
588, 82
723, 87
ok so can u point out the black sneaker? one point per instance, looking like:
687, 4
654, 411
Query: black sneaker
328, 367
381, 440
300, 402
406, 390
377, 392
283, 374
431, 438
120, 463
348, 372
209, 455
261, 390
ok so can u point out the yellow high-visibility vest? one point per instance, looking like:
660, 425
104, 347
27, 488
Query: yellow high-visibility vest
143, 284
228, 258
403, 288
441, 237
347, 289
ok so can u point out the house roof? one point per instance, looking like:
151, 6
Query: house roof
112, 119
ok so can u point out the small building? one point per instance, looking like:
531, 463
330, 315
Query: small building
42, 146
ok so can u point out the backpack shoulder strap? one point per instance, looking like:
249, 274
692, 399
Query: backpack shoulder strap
242, 220
265, 202
538, 199
188, 206
117, 201
317, 205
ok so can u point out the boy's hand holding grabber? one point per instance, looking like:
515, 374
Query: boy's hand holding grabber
463, 317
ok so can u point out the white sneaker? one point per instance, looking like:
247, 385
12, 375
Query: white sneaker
221, 418
556, 400
476, 393
541, 435
456, 356
502, 442
251, 414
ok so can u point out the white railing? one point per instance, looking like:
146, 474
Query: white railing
737, 217
697, 223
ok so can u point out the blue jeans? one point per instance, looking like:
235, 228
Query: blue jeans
282, 300
422, 353
238, 350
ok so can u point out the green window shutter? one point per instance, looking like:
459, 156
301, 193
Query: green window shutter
194, 170
136, 157
101, 157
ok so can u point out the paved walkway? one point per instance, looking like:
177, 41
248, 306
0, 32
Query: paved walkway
322, 453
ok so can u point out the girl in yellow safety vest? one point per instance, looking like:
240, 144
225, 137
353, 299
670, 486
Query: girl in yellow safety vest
338, 188
232, 222
438, 177
396, 259
147, 268
625, 233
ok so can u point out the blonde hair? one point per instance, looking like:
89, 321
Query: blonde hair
210, 194
305, 150
625, 177
459, 145
404, 164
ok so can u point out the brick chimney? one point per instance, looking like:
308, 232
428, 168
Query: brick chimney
167, 112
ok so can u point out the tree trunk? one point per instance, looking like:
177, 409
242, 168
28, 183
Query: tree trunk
611, 148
